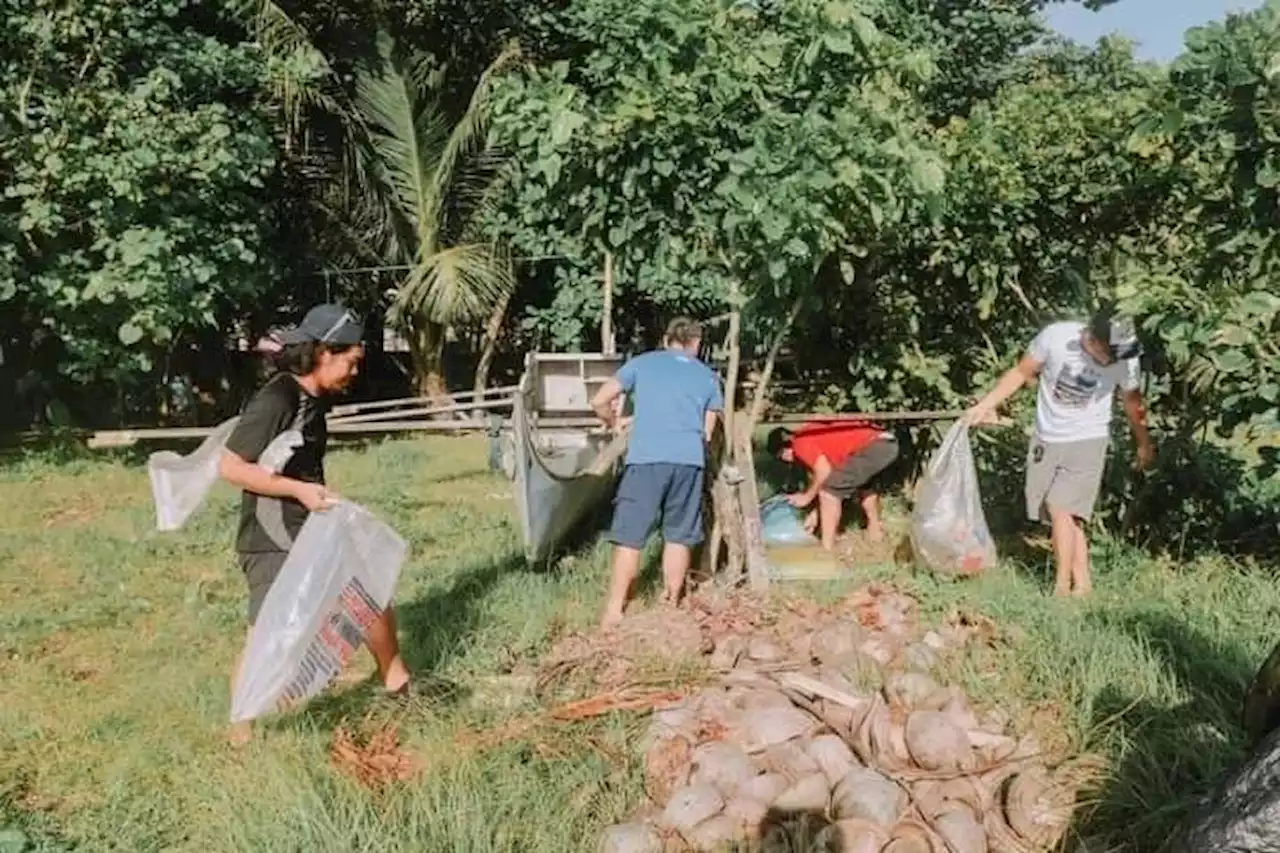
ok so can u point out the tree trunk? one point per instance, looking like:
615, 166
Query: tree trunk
426, 349
492, 331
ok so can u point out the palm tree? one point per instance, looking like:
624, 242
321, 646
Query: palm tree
413, 181
424, 182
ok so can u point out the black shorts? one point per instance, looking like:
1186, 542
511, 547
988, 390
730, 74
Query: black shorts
860, 469
261, 568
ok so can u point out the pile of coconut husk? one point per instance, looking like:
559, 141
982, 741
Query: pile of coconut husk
828, 718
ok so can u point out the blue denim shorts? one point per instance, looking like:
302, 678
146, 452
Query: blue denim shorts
653, 493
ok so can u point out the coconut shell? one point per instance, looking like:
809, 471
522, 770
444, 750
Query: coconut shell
763, 649
666, 767
793, 760
811, 794
921, 658
1038, 809
690, 806
869, 795
631, 838
915, 690
840, 718
755, 698
758, 729
729, 651
888, 739
936, 742
912, 835
678, 720
851, 836
961, 830
837, 643
766, 787
721, 764
748, 812
714, 833
833, 755
880, 648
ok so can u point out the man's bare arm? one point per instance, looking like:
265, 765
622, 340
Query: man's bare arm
817, 478
602, 402
1017, 376
256, 479
1136, 411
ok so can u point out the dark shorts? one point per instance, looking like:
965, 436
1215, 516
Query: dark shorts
261, 568
655, 492
860, 469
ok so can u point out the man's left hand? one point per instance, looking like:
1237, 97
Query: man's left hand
800, 500
1146, 456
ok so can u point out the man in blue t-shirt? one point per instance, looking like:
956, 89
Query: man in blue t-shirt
677, 401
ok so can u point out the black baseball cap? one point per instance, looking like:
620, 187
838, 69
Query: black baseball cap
325, 324
1117, 333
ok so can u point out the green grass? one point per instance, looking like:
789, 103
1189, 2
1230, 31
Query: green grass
115, 643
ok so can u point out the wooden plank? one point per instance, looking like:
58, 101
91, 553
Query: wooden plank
925, 416
425, 411
104, 439
373, 405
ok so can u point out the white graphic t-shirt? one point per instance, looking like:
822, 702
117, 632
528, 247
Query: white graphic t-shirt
1073, 402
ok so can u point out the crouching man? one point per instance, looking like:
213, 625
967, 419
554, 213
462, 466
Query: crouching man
842, 459
1079, 368
677, 400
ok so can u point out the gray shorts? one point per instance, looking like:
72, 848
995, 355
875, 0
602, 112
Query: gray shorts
862, 468
1064, 475
260, 571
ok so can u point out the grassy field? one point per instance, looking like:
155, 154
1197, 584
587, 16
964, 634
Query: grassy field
115, 642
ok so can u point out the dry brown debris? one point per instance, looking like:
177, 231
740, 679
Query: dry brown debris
376, 762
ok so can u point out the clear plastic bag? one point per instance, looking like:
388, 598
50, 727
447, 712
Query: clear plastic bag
179, 484
783, 524
338, 578
949, 531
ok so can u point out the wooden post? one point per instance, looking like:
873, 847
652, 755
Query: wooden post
749, 498
608, 345
728, 518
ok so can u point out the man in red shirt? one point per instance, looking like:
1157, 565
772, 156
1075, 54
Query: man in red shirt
842, 458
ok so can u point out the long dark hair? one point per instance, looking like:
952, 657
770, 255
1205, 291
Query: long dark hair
298, 359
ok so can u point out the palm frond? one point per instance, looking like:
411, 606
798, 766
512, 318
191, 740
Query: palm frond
458, 283
300, 75
402, 128
468, 135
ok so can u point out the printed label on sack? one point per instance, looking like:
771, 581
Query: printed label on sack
341, 633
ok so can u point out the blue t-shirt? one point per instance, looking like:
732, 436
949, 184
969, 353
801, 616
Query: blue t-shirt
672, 393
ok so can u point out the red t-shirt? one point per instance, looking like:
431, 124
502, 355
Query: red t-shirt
836, 440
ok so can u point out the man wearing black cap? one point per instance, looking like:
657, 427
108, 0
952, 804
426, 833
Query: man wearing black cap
1079, 367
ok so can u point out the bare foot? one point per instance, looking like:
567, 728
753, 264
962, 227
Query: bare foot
609, 622
1061, 592
240, 735
875, 535
1081, 592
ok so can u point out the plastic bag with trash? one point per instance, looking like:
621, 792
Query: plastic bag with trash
179, 484
783, 524
338, 578
949, 531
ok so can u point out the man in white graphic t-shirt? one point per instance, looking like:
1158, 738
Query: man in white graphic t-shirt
1079, 368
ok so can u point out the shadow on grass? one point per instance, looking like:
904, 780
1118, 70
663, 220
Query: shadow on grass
431, 628
1170, 756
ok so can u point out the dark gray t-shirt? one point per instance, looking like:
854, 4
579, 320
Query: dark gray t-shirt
271, 524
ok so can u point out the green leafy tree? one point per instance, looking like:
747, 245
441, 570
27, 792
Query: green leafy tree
135, 168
